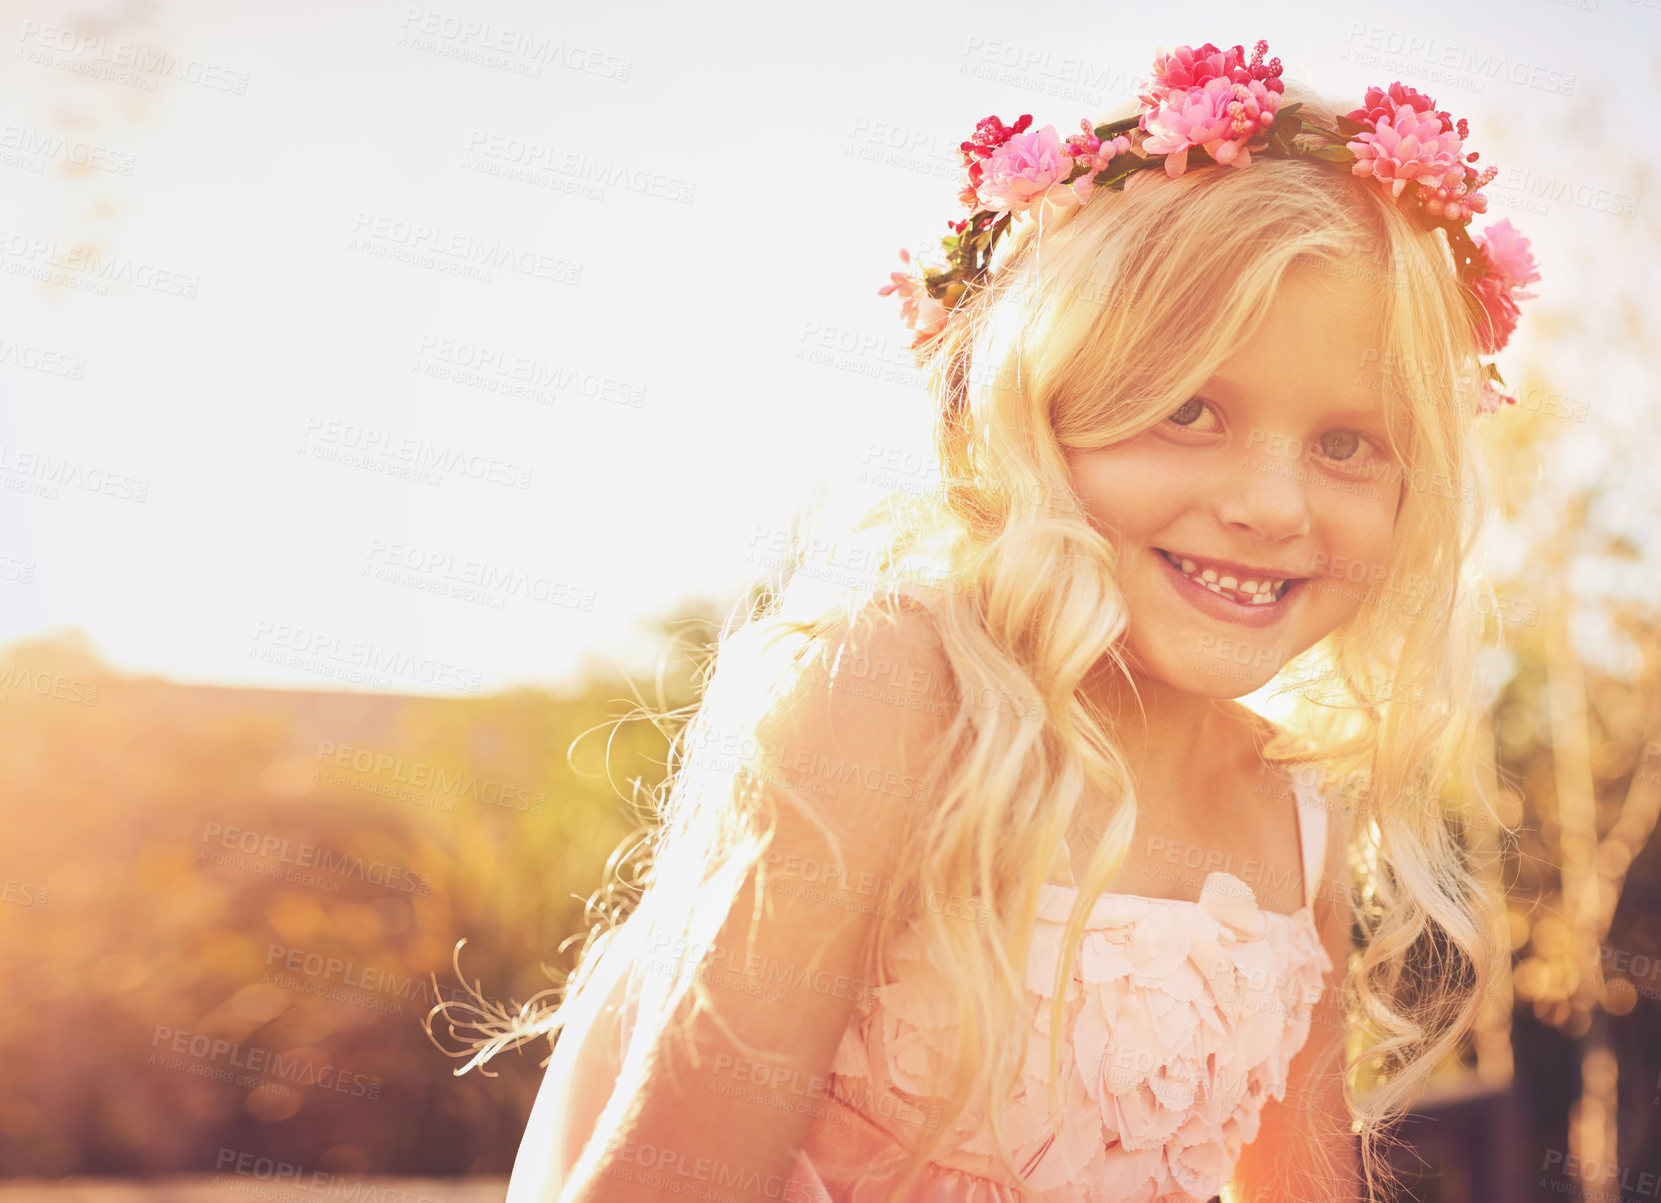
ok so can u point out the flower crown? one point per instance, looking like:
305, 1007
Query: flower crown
1210, 103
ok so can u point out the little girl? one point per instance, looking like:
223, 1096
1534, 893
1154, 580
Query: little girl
973, 883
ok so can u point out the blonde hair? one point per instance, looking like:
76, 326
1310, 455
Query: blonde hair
1089, 332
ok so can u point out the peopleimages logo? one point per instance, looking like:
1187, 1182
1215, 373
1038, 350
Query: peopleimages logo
290, 1069
333, 655
41, 359
1605, 1179
34, 148
425, 776
347, 981
318, 858
43, 473
385, 444
97, 269
247, 1173
454, 251
88, 52
46, 683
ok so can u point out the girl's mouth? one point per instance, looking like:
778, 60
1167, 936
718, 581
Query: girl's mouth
1259, 590
1229, 593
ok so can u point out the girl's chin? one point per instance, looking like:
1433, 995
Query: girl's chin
1220, 688
1207, 664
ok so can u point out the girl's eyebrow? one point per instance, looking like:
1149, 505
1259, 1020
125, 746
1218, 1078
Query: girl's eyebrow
1359, 413
1353, 411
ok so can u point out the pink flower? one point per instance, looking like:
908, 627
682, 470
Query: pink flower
1453, 194
1085, 144
1226, 119
922, 314
1380, 104
990, 133
1095, 154
1507, 265
1186, 68
1019, 173
1460, 199
1509, 256
1406, 142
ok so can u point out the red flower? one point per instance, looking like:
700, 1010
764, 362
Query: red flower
990, 133
1380, 104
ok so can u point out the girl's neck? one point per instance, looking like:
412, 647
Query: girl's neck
1177, 744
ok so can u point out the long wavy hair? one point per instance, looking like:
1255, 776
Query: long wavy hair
1092, 329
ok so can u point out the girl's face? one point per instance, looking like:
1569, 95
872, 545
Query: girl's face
1273, 489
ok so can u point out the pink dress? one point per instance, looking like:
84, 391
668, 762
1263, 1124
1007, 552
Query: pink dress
1181, 1020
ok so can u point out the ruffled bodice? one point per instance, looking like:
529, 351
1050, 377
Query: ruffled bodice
1181, 1020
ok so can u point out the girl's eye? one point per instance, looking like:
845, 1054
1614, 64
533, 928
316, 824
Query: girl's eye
1189, 413
1345, 447
1340, 444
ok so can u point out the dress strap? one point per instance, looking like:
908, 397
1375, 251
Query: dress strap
1312, 825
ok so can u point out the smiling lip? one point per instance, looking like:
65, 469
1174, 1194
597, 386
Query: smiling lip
1215, 605
1244, 572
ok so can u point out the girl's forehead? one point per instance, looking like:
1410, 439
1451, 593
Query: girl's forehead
1312, 327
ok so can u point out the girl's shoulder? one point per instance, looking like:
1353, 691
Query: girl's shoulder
871, 687
774, 665
886, 651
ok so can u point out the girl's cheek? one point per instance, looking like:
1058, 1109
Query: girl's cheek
1363, 534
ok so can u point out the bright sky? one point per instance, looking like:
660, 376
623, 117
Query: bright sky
613, 267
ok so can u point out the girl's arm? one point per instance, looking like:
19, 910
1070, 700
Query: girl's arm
1304, 1149
733, 1123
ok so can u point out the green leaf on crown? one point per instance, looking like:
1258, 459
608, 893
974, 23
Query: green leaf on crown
1114, 128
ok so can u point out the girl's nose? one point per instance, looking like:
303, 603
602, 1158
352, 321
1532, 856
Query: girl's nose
1269, 496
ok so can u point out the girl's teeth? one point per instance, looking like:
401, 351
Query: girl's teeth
1249, 593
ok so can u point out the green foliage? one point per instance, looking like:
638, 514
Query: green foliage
367, 835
